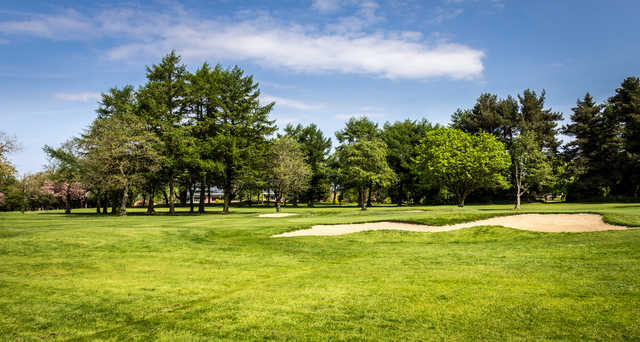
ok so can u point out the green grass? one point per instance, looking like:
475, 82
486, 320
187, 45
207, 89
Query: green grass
198, 278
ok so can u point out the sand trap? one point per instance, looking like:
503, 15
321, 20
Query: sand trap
277, 215
534, 222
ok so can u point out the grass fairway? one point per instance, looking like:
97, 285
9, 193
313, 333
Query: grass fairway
190, 278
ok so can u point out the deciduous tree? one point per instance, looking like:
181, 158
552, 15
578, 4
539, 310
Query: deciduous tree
463, 162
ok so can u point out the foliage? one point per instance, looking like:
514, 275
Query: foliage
463, 162
7, 145
242, 127
315, 147
364, 162
531, 167
402, 139
121, 146
289, 174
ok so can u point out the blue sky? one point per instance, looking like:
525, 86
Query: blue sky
322, 61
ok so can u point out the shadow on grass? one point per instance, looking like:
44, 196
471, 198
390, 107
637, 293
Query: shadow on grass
162, 213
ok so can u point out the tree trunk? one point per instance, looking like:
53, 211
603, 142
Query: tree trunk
192, 189
67, 204
363, 204
360, 197
278, 198
202, 186
150, 206
335, 194
518, 184
106, 203
227, 199
461, 195
172, 208
369, 196
114, 204
123, 203
97, 203
166, 197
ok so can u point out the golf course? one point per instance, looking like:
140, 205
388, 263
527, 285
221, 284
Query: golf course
89, 277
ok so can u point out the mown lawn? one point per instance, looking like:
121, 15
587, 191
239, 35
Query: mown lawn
190, 278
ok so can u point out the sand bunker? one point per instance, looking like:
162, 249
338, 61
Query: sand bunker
534, 222
277, 215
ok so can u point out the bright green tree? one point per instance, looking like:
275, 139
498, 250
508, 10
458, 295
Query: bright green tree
462, 162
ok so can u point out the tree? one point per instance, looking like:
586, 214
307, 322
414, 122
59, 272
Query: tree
201, 101
164, 95
402, 139
356, 130
64, 165
241, 127
315, 147
624, 108
594, 149
541, 121
463, 162
121, 145
65, 192
8, 145
530, 166
289, 173
499, 117
363, 160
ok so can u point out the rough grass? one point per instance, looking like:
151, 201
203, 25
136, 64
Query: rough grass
191, 278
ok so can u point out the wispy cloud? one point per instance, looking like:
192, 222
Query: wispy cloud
281, 101
444, 13
68, 25
343, 48
358, 115
326, 6
78, 97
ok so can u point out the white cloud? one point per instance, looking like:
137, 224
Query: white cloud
281, 101
345, 48
78, 97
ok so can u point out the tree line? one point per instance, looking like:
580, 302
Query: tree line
182, 132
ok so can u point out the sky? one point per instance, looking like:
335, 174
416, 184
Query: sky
321, 61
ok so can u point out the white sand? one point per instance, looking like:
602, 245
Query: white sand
277, 215
534, 222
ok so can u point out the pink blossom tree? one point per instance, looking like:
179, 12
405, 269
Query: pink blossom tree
65, 191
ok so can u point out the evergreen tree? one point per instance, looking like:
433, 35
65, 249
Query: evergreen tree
164, 94
402, 139
315, 147
542, 122
625, 108
242, 127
